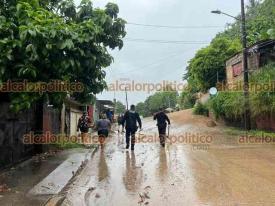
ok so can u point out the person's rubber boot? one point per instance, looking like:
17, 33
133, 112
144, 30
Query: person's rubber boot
132, 147
127, 146
163, 144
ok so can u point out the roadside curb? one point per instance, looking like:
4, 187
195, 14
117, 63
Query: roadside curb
57, 200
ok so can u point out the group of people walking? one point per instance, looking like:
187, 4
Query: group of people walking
131, 121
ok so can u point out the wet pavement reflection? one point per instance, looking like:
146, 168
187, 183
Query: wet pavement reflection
224, 174
133, 175
103, 171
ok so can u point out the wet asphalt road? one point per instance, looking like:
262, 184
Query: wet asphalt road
223, 173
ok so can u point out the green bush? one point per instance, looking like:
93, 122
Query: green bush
230, 104
263, 102
227, 105
187, 100
201, 109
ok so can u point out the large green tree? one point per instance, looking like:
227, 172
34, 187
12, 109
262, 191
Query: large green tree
44, 40
209, 63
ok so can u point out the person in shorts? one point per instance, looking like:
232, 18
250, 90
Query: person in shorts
103, 126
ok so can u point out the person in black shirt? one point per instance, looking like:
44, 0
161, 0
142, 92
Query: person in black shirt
119, 122
84, 123
131, 118
162, 120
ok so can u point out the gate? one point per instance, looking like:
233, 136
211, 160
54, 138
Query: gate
12, 129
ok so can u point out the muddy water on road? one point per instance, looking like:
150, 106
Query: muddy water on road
223, 174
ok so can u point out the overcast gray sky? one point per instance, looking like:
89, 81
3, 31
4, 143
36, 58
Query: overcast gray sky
155, 62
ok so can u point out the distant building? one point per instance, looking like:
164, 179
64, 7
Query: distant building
71, 112
102, 106
259, 55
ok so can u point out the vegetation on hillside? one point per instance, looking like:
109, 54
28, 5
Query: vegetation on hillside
165, 99
203, 68
187, 99
230, 104
208, 65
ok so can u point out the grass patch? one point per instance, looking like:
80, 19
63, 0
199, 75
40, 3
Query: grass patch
256, 133
200, 109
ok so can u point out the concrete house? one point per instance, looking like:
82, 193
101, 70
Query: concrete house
259, 55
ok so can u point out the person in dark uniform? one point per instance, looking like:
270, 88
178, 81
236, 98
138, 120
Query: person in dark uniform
162, 120
119, 122
84, 123
130, 120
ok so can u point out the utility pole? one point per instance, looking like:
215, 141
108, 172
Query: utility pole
247, 123
245, 70
126, 98
115, 102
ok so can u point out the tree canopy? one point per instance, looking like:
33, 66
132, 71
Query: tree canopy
164, 99
209, 63
44, 40
120, 107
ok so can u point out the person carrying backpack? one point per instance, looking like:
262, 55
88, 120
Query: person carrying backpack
162, 120
84, 125
130, 120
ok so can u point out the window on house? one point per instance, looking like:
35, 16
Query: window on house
237, 69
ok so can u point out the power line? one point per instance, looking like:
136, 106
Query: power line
174, 27
166, 41
158, 62
144, 67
